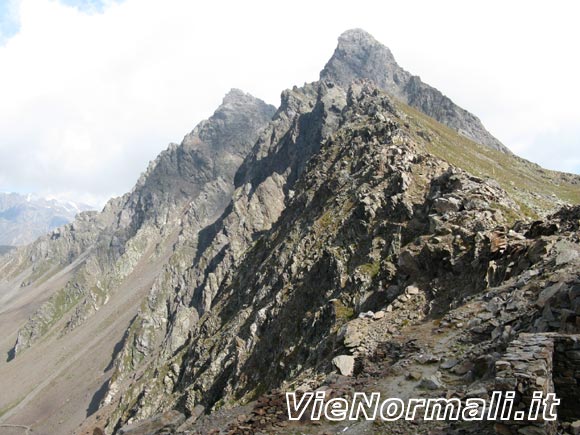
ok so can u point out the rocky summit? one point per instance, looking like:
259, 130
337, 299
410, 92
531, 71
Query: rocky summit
360, 56
368, 235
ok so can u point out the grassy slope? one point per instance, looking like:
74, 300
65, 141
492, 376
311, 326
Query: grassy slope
536, 190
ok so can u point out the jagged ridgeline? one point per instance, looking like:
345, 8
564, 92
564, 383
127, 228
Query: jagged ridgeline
241, 260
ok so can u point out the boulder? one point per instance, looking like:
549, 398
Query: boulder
431, 383
446, 205
344, 364
379, 315
547, 294
449, 363
412, 290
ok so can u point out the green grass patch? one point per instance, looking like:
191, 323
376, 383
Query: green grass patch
528, 184
370, 269
342, 312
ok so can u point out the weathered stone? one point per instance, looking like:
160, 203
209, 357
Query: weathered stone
567, 252
431, 383
446, 205
366, 315
463, 368
412, 290
449, 363
352, 335
344, 364
538, 362
427, 358
379, 315
414, 375
548, 293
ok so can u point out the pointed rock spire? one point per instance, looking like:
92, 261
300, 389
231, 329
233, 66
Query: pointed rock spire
360, 56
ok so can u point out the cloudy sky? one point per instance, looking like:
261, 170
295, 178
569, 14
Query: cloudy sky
91, 90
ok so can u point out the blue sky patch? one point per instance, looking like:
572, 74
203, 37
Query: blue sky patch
9, 25
89, 6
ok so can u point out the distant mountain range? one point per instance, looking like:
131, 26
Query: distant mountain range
23, 218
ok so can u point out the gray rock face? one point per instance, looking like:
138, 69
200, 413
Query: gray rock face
360, 56
213, 150
263, 184
431, 383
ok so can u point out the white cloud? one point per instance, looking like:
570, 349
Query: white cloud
88, 99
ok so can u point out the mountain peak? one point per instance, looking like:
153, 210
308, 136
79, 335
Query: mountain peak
233, 125
237, 97
236, 94
359, 37
239, 106
356, 33
359, 55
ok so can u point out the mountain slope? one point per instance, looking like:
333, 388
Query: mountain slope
538, 191
23, 218
339, 240
82, 284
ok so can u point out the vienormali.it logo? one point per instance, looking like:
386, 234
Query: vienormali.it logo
369, 406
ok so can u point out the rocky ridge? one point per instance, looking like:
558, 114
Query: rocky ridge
372, 225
